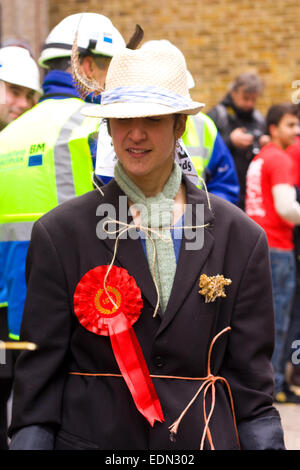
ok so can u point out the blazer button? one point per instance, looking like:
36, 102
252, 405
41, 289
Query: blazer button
158, 360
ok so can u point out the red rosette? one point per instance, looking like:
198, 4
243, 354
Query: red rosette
92, 306
108, 306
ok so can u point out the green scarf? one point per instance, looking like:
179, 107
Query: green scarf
156, 212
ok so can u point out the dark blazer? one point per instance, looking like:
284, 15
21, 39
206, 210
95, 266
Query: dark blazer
98, 412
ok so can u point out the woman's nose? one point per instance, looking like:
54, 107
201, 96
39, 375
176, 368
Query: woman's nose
137, 131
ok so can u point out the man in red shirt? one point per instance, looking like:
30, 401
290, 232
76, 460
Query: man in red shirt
271, 202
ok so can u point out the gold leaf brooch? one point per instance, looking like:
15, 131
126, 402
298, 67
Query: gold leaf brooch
213, 286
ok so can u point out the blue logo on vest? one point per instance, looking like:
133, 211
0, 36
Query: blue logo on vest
35, 160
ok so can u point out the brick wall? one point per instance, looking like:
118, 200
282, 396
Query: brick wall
220, 38
26, 20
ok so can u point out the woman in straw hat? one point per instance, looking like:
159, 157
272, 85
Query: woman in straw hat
150, 300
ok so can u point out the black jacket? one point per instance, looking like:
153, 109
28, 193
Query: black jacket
98, 412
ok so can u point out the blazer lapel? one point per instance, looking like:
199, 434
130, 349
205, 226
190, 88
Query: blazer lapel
190, 261
130, 253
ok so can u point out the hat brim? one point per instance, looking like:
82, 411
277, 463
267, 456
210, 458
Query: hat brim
135, 110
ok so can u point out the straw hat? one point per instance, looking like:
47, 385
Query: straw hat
149, 81
166, 42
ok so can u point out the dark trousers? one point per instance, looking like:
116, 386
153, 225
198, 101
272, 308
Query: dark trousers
294, 328
283, 267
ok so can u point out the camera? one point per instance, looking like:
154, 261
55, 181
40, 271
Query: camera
255, 147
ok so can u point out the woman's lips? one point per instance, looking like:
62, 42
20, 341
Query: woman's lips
137, 152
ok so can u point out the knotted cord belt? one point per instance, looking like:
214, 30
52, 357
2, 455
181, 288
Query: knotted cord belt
208, 382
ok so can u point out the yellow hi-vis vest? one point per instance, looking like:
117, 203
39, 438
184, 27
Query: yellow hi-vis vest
199, 138
45, 159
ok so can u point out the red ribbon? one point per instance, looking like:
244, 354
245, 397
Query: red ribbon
98, 314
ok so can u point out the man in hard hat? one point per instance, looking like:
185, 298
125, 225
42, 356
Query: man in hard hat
46, 156
19, 91
19, 83
51, 159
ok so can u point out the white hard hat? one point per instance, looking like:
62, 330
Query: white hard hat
165, 42
18, 67
96, 34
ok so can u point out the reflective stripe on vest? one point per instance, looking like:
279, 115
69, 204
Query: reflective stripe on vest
81, 151
199, 138
63, 160
43, 168
16, 231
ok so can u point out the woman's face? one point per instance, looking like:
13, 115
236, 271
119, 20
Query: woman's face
145, 146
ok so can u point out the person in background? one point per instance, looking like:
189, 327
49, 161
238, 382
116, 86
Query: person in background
271, 201
52, 157
19, 83
46, 155
210, 157
19, 92
293, 336
240, 124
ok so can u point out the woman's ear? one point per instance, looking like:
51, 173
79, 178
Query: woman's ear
180, 124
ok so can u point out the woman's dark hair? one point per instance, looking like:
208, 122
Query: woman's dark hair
176, 118
277, 111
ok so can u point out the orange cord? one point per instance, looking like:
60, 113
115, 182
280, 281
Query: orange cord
208, 382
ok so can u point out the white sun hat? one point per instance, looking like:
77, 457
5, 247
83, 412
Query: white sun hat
148, 81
